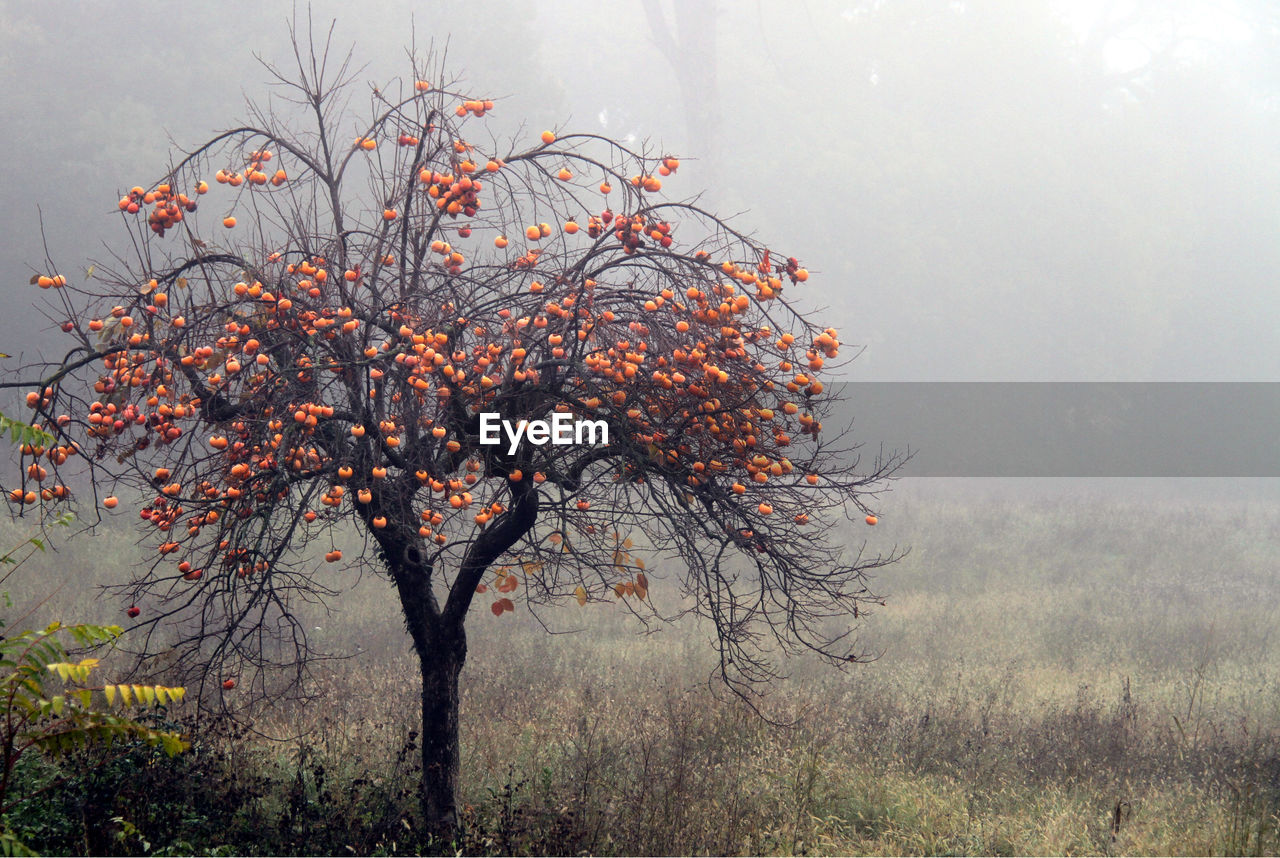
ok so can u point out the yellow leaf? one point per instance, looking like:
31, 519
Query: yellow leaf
581, 595
126, 696
145, 693
110, 692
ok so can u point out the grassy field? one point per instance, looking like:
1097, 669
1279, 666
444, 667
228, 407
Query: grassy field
1063, 671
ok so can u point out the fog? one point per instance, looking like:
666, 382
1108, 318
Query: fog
984, 191
1037, 191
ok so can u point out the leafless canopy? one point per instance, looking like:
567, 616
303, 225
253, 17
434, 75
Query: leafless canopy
313, 377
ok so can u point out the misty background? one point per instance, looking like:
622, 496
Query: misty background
985, 191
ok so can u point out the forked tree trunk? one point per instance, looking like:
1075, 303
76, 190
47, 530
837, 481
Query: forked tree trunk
440, 752
440, 641
441, 647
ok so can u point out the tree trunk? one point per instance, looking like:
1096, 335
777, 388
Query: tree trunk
441, 665
440, 641
689, 44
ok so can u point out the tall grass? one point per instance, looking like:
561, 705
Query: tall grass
1080, 673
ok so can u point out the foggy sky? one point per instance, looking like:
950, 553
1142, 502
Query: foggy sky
1002, 190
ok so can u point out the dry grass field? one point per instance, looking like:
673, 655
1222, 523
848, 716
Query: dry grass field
1061, 672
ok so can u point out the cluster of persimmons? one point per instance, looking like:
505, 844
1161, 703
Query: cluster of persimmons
260, 394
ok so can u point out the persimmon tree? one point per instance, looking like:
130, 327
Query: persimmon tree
314, 308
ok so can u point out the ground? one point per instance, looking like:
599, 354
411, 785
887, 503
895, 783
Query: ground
1062, 672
